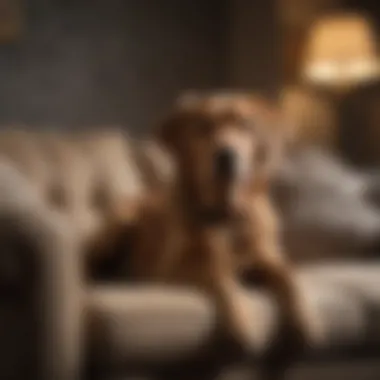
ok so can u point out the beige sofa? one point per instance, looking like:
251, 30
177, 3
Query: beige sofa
56, 322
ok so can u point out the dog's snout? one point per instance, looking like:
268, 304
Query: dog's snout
225, 163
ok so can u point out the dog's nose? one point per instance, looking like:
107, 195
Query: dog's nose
225, 163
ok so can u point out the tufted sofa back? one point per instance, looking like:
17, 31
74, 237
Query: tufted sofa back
85, 175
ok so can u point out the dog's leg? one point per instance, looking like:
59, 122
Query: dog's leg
280, 278
219, 279
279, 274
300, 325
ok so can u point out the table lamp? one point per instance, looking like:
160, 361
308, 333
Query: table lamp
340, 52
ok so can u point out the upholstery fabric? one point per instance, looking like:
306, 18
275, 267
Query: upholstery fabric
55, 193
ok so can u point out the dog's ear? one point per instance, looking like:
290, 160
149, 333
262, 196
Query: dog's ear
283, 134
280, 128
275, 139
277, 119
167, 133
170, 131
284, 129
288, 118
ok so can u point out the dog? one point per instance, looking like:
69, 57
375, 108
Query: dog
215, 222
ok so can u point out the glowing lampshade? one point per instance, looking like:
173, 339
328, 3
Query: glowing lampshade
341, 51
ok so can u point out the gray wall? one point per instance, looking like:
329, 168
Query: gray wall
94, 62
109, 61
254, 40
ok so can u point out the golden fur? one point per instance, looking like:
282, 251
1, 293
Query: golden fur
207, 234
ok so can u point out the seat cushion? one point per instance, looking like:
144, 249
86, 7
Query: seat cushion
161, 326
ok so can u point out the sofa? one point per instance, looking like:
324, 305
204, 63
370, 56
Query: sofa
60, 321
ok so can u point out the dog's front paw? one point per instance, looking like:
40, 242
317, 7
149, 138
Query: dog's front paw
239, 327
297, 334
305, 329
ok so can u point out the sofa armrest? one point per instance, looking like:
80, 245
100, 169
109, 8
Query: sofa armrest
40, 270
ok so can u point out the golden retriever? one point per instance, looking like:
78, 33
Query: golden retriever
215, 222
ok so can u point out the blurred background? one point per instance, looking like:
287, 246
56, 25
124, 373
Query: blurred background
65, 64
75, 65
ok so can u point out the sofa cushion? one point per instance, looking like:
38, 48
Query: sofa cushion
326, 207
157, 327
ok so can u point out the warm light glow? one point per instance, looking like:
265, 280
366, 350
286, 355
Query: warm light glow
341, 50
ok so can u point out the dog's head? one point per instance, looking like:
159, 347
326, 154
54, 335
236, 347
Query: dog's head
224, 145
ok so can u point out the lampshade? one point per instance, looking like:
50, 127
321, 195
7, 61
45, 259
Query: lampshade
341, 50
